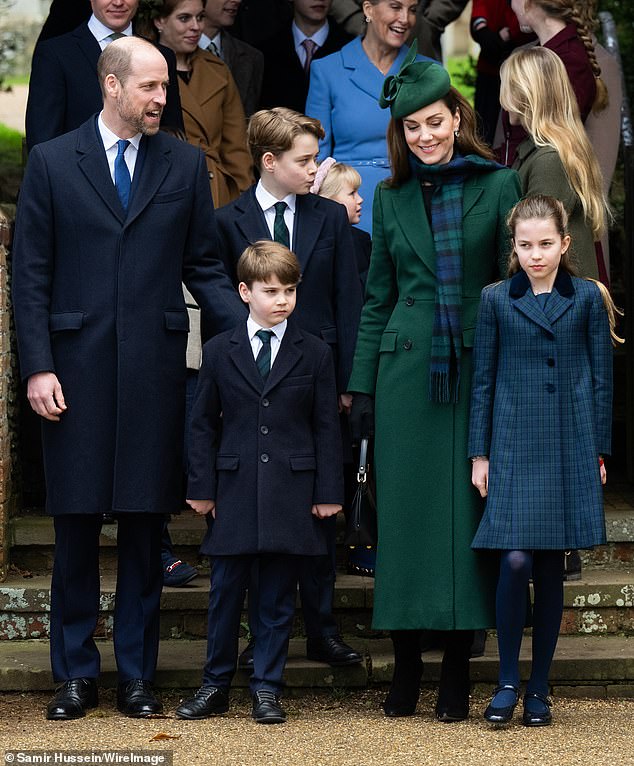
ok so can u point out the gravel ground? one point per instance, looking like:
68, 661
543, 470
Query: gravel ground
334, 730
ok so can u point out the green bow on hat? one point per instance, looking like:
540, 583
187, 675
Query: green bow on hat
417, 84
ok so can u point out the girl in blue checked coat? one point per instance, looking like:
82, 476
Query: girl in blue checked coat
540, 423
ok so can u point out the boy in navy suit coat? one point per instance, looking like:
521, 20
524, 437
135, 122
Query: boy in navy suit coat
284, 145
265, 463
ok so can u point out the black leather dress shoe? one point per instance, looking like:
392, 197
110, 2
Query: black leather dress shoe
542, 717
333, 650
245, 659
503, 714
72, 699
267, 708
208, 701
136, 699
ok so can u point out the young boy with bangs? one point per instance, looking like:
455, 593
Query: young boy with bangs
265, 464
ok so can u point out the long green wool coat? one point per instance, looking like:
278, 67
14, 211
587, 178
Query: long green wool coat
427, 576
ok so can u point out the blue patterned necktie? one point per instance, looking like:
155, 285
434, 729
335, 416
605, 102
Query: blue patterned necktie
280, 230
263, 359
122, 180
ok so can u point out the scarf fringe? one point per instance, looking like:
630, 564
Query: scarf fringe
444, 386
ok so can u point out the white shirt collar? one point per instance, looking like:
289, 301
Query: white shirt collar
266, 200
110, 139
205, 41
319, 37
100, 31
278, 330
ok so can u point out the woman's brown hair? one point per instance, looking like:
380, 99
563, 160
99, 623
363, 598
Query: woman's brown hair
467, 140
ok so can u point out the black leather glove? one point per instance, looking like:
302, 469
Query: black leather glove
362, 417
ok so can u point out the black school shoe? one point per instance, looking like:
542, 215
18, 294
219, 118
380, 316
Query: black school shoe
207, 702
267, 708
540, 715
504, 714
332, 650
136, 699
72, 699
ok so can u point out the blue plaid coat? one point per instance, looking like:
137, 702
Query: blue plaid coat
541, 409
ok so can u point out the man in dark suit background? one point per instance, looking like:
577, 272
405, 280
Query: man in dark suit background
287, 56
102, 328
64, 89
245, 62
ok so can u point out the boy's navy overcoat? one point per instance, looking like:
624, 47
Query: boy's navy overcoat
541, 408
275, 451
98, 300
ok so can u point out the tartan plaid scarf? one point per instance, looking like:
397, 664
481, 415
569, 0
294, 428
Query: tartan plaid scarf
446, 223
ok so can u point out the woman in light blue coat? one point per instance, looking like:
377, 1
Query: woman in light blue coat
345, 88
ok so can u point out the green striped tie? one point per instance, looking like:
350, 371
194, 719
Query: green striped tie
280, 230
263, 359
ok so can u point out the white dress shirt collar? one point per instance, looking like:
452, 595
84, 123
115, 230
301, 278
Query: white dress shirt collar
102, 33
319, 37
110, 139
266, 200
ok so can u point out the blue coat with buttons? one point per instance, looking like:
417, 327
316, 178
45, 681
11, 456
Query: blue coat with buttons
541, 408
265, 451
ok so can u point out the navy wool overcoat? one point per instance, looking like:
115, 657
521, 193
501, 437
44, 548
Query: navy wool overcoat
274, 452
98, 301
541, 409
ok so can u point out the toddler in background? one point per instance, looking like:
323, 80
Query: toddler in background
340, 182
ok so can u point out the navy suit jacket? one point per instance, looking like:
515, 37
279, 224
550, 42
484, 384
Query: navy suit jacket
329, 296
285, 83
276, 450
98, 300
64, 89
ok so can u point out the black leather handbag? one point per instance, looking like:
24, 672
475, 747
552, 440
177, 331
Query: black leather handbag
361, 528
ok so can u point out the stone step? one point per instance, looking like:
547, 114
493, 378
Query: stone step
32, 538
583, 666
602, 602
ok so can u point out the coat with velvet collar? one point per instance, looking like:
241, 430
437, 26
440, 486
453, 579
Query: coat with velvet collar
265, 451
541, 409
98, 300
426, 574
353, 135
329, 295
215, 122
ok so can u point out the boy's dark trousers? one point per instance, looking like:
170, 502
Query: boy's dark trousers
275, 609
316, 579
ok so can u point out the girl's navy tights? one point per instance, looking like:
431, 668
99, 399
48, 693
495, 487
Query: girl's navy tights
516, 568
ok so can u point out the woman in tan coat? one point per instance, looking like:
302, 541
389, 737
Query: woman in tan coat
212, 111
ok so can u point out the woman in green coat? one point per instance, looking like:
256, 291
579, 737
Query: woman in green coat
439, 236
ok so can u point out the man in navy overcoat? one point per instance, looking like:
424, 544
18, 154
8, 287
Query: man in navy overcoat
102, 328
64, 87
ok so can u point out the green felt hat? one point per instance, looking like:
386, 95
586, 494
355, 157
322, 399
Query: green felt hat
417, 84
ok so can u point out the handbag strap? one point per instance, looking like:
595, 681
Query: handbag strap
362, 472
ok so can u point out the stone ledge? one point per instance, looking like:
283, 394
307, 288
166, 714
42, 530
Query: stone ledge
587, 667
188, 530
